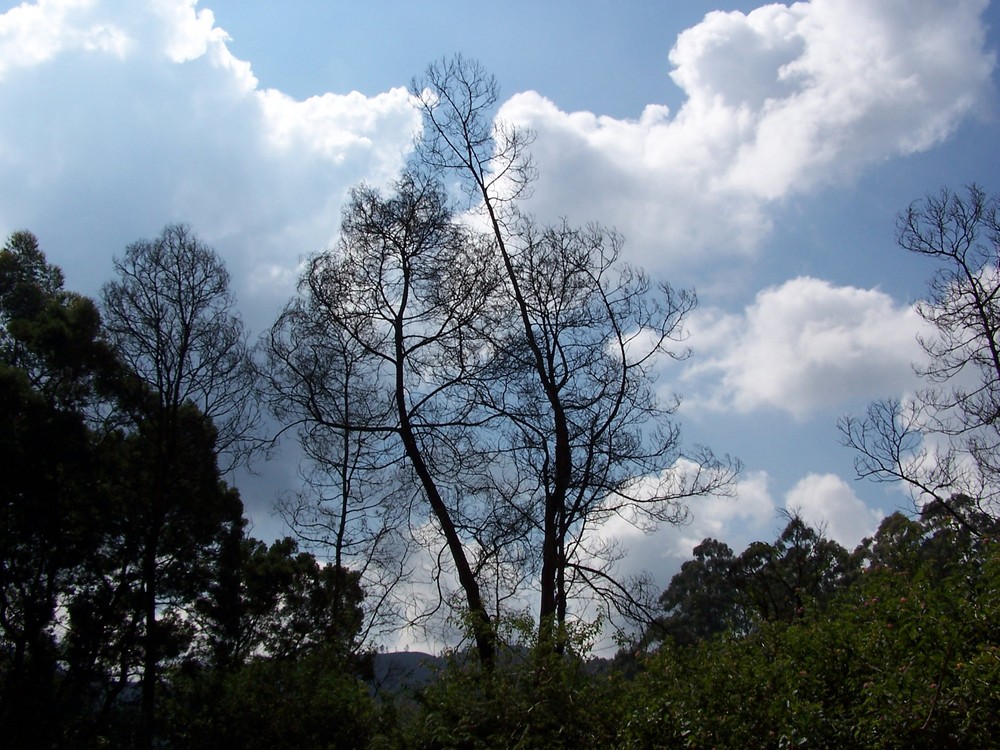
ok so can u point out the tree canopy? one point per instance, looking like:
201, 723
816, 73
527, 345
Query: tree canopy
117, 532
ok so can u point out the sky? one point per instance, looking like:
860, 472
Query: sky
756, 153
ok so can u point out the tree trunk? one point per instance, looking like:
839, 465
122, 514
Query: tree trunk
150, 656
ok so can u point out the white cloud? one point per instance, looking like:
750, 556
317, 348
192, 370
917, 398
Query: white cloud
146, 117
31, 34
802, 347
827, 502
132, 115
34, 33
778, 101
189, 34
737, 521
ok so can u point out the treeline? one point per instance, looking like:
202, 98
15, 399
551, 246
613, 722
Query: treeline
135, 610
794, 643
131, 597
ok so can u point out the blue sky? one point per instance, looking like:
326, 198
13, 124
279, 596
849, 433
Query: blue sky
758, 154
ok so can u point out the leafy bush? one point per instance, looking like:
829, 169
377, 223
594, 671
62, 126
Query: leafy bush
900, 660
534, 697
312, 702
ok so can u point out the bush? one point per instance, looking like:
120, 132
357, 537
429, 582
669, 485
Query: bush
533, 698
310, 703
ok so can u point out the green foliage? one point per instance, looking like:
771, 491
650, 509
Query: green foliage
50, 336
312, 702
703, 598
27, 284
533, 697
278, 602
901, 658
719, 592
53, 502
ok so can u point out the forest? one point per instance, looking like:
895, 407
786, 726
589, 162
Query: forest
475, 389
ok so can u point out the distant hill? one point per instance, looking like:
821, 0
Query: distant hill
401, 672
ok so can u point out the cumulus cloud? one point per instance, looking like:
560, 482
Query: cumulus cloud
779, 100
802, 347
31, 34
738, 520
147, 117
125, 116
827, 502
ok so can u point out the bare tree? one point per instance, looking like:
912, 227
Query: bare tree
582, 424
322, 383
394, 315
505, 376
584, 428
171, 316
944, 444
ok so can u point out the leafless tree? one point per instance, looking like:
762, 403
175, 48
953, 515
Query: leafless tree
171, 316
320, 382
584, 432
396, 314
945, 442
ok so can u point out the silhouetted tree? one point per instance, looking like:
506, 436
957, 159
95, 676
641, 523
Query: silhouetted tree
719, 592
388, 325
170, 317
322, 382
703, 598
580, 336
54, 366
944, 443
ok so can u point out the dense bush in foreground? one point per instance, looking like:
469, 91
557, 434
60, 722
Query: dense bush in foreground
902, 659
906, 655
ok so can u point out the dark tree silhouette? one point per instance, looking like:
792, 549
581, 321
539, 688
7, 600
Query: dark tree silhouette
944, 443
582, 333
170, 317
392, 317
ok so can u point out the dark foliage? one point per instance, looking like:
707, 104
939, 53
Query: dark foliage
719, 592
